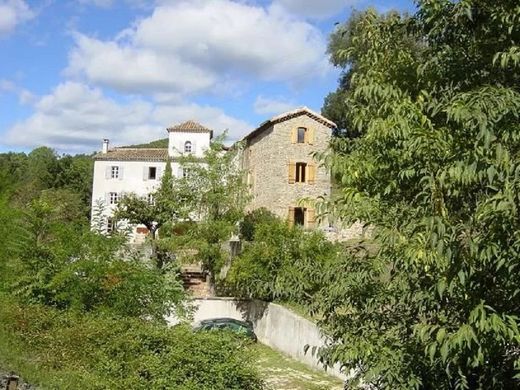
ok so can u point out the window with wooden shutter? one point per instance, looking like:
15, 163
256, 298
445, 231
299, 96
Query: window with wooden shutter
294, 135
310, 136
301, 135
301, 172
290, 216
292, 172
311, 218
311, 173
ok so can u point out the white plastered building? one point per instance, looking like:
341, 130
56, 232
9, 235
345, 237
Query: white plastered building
119, 171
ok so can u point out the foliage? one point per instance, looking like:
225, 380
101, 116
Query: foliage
26, 175
78, 309
282, 263
103, 352
433, 162
253, 219
56, 261
213, 194
162, 209
153, 214
159, 143
219, 182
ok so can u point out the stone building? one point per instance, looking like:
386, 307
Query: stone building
280, 168
277, 159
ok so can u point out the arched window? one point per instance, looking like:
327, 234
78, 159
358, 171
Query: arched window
187, 147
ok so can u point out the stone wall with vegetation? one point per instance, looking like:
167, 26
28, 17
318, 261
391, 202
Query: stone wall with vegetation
274, 325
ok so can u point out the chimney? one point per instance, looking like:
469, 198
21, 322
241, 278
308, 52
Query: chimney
105, 146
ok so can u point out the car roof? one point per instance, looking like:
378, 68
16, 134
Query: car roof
223, 320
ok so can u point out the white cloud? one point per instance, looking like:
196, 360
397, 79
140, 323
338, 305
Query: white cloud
24, 96
211, 117
98, 3
12, 13
7, 86
315, 9
75, 118
193, 46
129, 69
110, 3
267, 106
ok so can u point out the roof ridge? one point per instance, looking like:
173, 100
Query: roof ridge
189, 126
288, 114
130, 148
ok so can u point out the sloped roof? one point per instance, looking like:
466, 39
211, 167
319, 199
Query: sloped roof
289, 115
189, 127
134, 154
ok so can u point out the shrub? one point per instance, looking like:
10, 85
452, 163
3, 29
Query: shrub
70, 350
282, 263
253, 219
60, 264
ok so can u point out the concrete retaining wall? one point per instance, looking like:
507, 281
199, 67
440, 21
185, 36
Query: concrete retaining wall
274, 325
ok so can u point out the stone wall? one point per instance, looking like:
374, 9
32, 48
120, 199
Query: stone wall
267, 157
274, 325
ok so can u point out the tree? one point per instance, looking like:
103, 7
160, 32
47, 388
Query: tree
152, 212
433, 103
213, 193
75, 173
281, 262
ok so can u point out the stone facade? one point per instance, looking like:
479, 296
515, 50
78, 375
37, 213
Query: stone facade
277, 158
271, 156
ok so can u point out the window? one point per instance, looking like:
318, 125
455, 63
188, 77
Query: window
111, 225
152, 173
187, 147
150, 199
300, 172
299, 216
185, 172
114, 172
113, 198
302, 216
301, 135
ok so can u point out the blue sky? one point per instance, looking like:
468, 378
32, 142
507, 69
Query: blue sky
76, 71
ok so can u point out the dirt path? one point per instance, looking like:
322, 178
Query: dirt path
284, 373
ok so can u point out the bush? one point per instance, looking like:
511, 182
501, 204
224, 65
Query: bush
71, 351
253, 219
61, 264
282, 263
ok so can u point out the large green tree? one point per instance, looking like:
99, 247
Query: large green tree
431, 160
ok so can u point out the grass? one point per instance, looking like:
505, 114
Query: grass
284, 373
14, 359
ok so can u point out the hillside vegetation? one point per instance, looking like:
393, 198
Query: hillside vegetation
79, 309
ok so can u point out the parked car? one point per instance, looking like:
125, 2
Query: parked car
239, 327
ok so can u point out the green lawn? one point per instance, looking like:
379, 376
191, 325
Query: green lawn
284, 373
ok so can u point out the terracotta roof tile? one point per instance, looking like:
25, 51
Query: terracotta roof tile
189, 127
134, 154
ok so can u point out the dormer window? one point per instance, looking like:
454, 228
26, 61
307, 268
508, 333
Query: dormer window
187, 147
